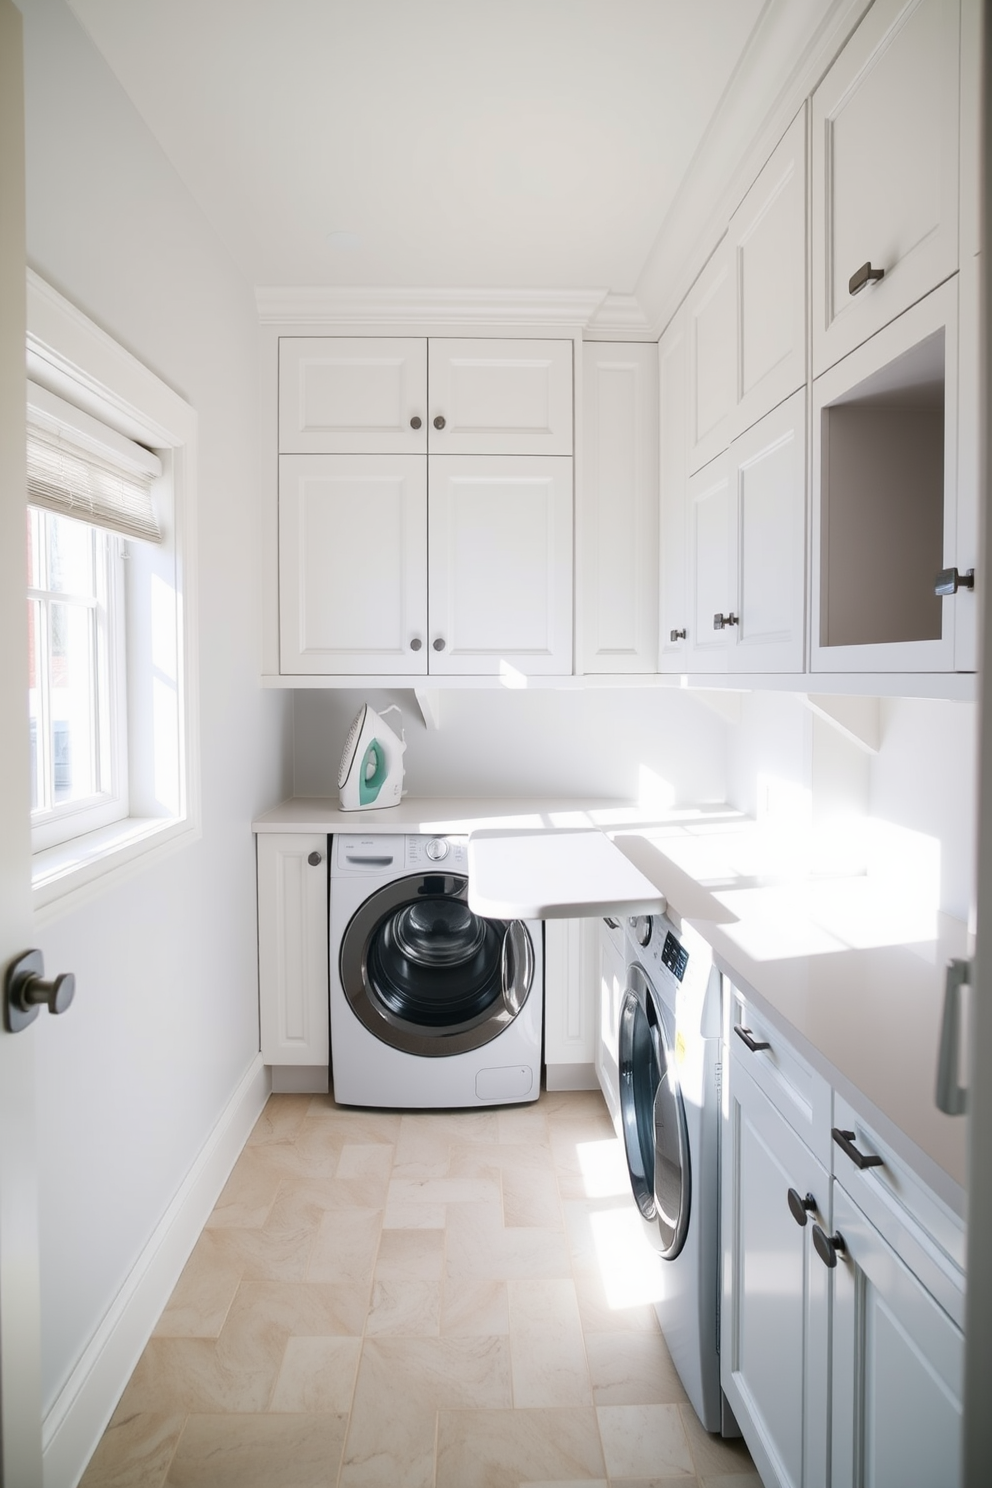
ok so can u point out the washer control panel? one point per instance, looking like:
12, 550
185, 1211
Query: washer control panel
423, 852
674, 956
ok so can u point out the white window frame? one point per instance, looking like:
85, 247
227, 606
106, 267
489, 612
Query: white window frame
59, 821
74, 359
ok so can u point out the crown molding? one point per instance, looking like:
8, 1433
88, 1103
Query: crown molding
358, 305
620, 317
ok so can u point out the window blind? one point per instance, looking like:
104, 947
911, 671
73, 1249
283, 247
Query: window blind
79, 484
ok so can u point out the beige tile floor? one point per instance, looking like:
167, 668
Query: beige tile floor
428, 1300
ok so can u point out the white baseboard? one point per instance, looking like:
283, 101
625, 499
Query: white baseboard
77, 1419
571, 1077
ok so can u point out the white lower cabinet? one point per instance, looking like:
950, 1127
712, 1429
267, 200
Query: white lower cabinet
293, 947
774, 1318
571, 963
842, 1346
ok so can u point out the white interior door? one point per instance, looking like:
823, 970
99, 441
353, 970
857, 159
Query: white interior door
352, 564
500, 565
20, 1325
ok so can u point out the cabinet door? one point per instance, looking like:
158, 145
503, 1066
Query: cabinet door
612, 981
709, 309
712, 521
885, 170
500, 397
353, 564
774, 1330
898, 1367
570, 962
768, 244
673, 375
292, 947
500, 557
619, 530
361, 395
768, 468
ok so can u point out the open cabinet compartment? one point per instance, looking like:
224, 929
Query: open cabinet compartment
884, 482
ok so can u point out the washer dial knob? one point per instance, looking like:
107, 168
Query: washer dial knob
437, 849
640, 926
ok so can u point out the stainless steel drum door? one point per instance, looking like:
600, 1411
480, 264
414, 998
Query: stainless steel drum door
655, 1137
426, 975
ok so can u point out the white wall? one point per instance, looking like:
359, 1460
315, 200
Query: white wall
921, 781
623, 744
165, 1020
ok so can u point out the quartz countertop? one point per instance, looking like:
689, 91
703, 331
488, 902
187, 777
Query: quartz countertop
849, 966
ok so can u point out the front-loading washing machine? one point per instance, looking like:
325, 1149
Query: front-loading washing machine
669, 1056
431, 1005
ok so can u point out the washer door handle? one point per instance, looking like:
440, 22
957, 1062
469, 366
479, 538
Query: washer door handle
516, 967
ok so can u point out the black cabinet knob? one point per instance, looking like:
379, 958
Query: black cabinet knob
416, 643
800, 1207
827, 1247
416, 421
439, 421
439, 644
315, 859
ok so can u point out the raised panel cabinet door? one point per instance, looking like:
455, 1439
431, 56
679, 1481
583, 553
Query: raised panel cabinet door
885, 171
673, 377
497, 397
711, 516
570, 966
353, 564
359, 395
898, 1367
768, 463
500, 564
774, 1329
619, 529
768, 244
292, 947
709, 311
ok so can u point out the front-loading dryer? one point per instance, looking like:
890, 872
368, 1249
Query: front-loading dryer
669, 1056
431, 1005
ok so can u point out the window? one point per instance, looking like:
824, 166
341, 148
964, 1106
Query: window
109, 545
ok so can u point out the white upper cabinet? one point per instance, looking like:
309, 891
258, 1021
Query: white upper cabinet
497, 397
747, 544
709, 312
885, 172
672, 478
353, 564
352, 395
500, 563
768, 248
619, 511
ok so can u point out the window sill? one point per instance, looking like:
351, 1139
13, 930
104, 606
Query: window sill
65, 876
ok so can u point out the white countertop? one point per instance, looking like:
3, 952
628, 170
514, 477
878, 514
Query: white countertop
849, 967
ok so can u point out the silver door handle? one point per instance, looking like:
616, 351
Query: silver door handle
952, 1098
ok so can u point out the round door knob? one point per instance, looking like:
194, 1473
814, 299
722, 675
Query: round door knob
439, 421
827, 1246
416, 643
439, 644
416, 421
800, 1207
315, 859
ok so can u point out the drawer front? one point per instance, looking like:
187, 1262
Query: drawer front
797, 1091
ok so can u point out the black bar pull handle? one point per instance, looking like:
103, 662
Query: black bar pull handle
845, 1141
755, 1045
863, 276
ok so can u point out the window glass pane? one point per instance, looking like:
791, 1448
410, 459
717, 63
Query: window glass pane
70, 556
34, 700
73, 702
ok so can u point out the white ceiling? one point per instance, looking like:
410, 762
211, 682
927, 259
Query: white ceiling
462, 143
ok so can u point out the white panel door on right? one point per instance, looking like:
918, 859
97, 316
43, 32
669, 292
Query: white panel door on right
352, 564
711, 511
768, 466
500, 565
497, 397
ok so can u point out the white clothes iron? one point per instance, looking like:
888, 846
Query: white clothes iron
371, 772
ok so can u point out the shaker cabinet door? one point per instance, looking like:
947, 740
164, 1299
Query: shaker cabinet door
885, 172
672, 495
292, 947
353, 564
498, 397
711, 513
500, 560
357, 395
709, 309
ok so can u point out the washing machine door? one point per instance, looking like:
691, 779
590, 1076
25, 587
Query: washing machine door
656, 1139
426, 975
